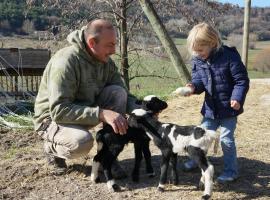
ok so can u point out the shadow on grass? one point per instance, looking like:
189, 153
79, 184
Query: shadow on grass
253, 182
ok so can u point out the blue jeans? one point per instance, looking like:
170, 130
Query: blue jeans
227, 127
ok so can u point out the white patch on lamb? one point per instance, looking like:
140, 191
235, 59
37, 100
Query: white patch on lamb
180, 142
139, 112
110, 184
94, 172
148, 98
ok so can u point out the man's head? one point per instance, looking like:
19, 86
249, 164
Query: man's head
100, 37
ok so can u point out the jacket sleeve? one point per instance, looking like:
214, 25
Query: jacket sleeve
196, 80
116, 79
240, 78
62, 91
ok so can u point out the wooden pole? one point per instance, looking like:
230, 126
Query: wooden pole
166, 41
246, 33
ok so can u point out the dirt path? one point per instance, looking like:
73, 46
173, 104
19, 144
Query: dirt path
24, 175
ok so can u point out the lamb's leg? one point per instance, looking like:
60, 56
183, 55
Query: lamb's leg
147, 156
109, 157
207, 169
165, 158
107, 166
96, 162
138, 159
173, 164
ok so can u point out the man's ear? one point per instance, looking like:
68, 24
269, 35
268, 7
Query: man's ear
91, 42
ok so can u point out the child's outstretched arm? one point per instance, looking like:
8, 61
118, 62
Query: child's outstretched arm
196, 81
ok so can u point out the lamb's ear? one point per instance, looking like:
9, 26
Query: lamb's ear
199, 132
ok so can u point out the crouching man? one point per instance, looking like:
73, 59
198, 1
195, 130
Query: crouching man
80, 88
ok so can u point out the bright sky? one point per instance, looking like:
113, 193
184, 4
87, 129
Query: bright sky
254, 3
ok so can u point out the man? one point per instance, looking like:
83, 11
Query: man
80, 88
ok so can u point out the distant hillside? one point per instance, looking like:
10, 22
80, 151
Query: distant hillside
27, 16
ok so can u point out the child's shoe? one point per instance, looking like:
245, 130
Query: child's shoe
223, 179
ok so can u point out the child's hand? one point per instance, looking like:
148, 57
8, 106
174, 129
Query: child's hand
235, 105
191, 87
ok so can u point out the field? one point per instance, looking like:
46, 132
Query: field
24, 173
162, 79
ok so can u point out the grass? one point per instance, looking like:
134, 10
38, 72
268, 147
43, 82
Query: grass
147, 65
13, 150
20, 121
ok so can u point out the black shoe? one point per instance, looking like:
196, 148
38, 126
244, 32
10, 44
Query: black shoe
57, 165
117, 171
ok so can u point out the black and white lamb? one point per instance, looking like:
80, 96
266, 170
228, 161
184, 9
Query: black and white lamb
111, 144
172, 139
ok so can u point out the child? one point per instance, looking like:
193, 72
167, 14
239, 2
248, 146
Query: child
218, 71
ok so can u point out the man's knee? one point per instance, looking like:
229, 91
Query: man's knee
113, 97
81, 144
115, 91
70, 141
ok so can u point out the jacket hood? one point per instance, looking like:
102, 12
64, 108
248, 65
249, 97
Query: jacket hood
76, 39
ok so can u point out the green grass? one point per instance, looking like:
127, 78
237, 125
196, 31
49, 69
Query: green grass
180, 41
13, 150
24, 121
149, 65
257, 74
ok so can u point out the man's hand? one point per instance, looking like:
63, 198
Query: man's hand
235, 105
116, 120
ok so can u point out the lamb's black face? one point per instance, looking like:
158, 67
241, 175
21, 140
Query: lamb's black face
152, 103
156, 105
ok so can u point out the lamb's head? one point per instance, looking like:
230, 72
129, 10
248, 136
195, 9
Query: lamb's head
153, 104
137, 116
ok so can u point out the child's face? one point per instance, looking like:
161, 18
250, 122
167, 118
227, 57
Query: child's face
203, 51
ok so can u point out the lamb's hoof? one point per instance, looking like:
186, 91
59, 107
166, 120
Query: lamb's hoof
175, 182
97, 180
200, 186
161, 189
206, 197
116, 188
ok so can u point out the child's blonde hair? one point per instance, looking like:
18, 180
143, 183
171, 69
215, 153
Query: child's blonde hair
203, 34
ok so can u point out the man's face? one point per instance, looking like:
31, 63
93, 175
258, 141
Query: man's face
104, 46
203, 51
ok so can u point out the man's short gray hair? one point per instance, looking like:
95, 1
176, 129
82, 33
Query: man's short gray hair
96, 27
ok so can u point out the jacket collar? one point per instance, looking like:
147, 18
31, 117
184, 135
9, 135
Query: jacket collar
76, 39
215, 53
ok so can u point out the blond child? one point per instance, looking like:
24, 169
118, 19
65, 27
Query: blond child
217, 71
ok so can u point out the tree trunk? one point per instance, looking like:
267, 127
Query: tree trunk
246, 33
124, 44
166, 41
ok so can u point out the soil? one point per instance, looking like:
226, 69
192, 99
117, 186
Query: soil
24, 173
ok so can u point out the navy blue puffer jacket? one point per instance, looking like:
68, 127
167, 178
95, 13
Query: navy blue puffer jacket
223, 77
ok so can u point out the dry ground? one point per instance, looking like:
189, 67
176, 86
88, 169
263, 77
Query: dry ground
24, 174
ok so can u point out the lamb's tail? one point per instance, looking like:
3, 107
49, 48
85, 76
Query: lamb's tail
212, 134
213, 137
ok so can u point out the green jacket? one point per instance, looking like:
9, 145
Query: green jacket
71, 83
